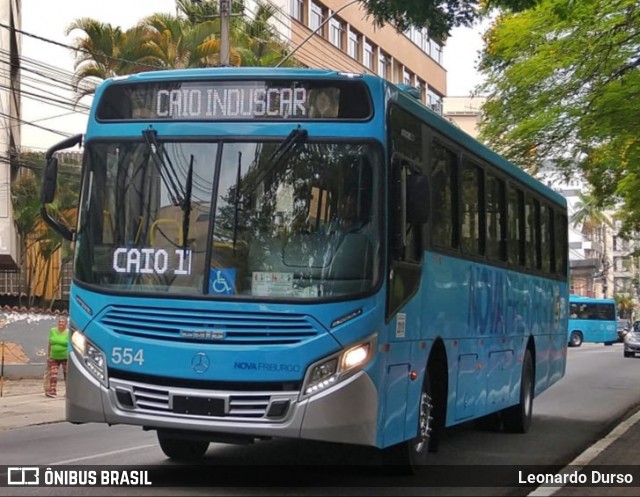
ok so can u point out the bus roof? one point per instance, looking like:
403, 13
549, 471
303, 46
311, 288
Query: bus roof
397, 94
465, 140
590, 300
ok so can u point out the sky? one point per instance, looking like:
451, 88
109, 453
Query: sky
49, 19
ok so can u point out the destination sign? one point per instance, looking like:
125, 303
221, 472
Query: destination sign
235, 100
231, 102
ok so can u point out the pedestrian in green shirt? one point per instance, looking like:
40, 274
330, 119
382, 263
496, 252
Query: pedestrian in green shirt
56, 356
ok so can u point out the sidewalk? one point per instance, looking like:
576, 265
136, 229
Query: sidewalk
24, 404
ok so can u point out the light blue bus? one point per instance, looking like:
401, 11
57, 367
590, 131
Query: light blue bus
592, 320
216, 298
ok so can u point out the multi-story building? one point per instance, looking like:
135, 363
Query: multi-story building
464, 112
625, 268
347, 40
10, 43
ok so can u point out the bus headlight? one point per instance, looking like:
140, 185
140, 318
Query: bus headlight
338, 367
92, 357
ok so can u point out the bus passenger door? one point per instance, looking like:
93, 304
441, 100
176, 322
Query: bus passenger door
404, 310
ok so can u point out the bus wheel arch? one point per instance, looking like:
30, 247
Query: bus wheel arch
408, 456
576, 338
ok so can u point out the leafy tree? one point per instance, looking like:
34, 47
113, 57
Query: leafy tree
39, 242
258, 41
176, 43
106, 51
439, 16
562, 84
589, 214
626, 306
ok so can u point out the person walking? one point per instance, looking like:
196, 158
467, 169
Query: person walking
56, 356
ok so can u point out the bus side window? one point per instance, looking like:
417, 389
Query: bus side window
472, 235
515, 226
444, 212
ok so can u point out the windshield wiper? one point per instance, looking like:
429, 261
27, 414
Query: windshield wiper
236, 202
186, 206
178, 194
297, 136
165, 167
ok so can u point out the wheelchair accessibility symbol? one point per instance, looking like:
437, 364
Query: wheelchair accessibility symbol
222, 281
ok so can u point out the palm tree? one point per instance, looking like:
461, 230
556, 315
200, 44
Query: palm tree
589, 214
594, 221
175, 42
106, 51
626, 306
259, 41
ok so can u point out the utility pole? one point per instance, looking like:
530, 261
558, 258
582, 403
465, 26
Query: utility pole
225, 13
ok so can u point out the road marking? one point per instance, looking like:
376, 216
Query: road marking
102, 454
588, 455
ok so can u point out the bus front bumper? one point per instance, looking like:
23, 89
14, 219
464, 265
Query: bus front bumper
345, 412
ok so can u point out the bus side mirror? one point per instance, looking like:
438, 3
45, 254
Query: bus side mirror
418, 199
49, 180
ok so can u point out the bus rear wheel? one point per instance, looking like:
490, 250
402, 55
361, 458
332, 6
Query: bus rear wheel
408, 456
180, 449
576, 339
517, 419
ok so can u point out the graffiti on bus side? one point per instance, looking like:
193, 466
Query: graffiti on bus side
507, 303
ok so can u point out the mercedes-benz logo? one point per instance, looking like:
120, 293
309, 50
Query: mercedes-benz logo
200, 362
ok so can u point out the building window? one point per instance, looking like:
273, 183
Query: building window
316, 16
368, 55
416, 36
435, 51
420, 86
354, 43
434, 100
623, 285
335, 33
383, 65
406, 77
297, 9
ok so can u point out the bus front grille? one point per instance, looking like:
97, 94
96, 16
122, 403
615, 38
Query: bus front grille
214, 327
225, 405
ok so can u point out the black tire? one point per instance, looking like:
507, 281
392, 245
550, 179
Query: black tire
629, 354
517, 419
576, 339
183, 450
407, 457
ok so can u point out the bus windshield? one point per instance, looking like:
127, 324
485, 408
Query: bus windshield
265, 219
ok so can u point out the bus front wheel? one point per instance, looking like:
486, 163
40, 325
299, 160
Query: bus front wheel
576, 339
517, 419
408, 456
180, 449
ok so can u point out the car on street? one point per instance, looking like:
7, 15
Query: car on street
623, 327
632, 340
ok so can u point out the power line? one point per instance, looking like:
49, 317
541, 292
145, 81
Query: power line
22, 121
63, 45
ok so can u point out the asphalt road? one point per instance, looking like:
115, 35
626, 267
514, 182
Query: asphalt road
599, 389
